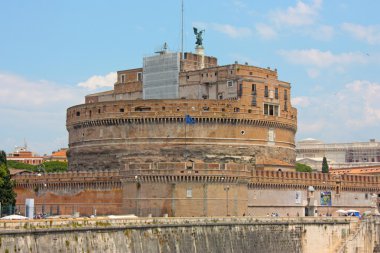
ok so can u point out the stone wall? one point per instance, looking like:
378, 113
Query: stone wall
194, 189
189, 235
109, 135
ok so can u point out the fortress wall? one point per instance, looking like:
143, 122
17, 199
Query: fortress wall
112, 146
176, 190
268, 235
191, 199
66, 193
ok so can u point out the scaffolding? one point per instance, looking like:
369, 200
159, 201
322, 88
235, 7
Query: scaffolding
161, 76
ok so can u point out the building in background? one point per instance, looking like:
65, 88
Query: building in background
59, 156
23, 155
339, 155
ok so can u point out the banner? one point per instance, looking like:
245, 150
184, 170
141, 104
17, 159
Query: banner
298, 197
326, 199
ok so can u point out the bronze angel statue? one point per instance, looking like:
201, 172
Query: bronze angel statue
198, 37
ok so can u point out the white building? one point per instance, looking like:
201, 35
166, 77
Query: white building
339, 155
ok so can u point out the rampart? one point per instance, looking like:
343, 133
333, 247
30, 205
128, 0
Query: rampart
194, 189
191, 235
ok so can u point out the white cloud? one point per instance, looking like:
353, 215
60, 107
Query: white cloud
18, 92
322, 32
36, 111
266, 31
322, 59
351, 112
301, 101
97, 81
369, 34
299, 15
227, 29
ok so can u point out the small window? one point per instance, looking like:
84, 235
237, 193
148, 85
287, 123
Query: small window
121, 109
366, 195
286, 106
206, 108
254, 102
216, 73
187, 77
271, 110
230, 84
240, 90
223, 109
266, 92
276, 93
189, 193
253, 89
220, 96
122, 78
250, 73
78, 113
204, 96
236, 109
249, 110
285, 94
139, 76
163, 108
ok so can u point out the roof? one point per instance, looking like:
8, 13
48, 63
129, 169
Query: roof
274, 162
17, 172
357, 170
314, 159
59, 153
108, 92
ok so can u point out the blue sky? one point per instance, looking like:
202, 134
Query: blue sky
52, 53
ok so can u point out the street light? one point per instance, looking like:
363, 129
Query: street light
227, 188
41, 168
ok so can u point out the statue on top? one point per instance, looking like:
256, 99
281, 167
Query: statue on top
198, 37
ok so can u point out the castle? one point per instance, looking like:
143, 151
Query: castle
184, 136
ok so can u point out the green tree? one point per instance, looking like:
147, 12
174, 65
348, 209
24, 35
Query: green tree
55, 166
303, 168
49, 166
7, 193
325, 166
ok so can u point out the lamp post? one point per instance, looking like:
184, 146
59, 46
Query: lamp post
138, 185
44, 188
227, 188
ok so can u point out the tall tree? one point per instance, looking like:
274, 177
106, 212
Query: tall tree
325, 166
7, 193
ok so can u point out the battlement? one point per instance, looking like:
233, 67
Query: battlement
200, 110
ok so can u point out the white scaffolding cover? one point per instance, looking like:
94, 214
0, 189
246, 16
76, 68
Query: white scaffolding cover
161, 76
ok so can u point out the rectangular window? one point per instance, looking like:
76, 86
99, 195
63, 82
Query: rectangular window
230, 84
276, 93
253, 89
285, 94
189, 193
271, 110
139, 76
286, 106
266, 92
240, 90
254, 102
122, 78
